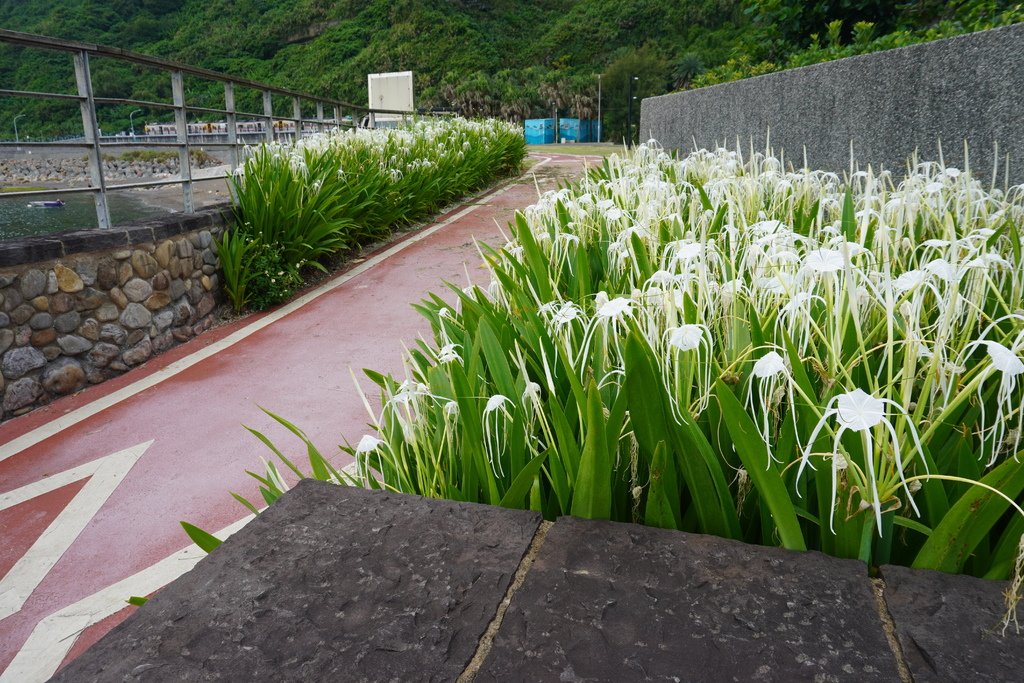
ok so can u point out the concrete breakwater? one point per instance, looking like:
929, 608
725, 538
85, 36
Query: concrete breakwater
36, 170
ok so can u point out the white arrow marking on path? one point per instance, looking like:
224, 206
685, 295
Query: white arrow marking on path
106, 474
54, 636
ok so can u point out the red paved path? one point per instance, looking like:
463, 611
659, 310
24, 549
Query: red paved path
297, 366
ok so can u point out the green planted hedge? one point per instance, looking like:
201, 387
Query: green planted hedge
297, 205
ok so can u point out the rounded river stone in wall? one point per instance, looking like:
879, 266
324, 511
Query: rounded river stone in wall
72, 344
113, 333
67, 322
67, 279
33, 283
63, 376
136, 316
102, 354
61, 303
137, 290
40, 321
21, 393
138, 353
18, 361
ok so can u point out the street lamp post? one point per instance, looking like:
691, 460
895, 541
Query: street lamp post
599, 126
17, 140
629, 112
131, 123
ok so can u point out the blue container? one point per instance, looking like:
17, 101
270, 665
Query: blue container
595, 131
539, 131
569, 129
586, 130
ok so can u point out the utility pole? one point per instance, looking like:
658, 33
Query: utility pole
554, 115
629, 112
131, 123
599, 126
17, 140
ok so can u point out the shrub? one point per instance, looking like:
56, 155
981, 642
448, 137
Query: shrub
337, 191
273, 279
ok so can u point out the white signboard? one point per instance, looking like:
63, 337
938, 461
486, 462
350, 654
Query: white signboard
391, 91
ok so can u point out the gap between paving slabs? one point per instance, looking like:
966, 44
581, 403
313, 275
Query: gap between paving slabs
344, 583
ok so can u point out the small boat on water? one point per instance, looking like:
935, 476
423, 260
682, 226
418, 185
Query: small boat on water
46, 204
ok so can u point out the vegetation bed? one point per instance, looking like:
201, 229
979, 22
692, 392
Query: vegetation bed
717, 344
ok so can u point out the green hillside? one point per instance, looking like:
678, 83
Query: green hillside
505, 58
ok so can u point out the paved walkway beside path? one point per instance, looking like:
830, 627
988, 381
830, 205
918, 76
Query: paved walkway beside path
338, 583
92, 486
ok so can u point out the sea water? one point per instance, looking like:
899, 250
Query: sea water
17, 219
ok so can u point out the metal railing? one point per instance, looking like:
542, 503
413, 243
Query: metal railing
344, 114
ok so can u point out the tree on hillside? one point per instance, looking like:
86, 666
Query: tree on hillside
653, 78
583, 96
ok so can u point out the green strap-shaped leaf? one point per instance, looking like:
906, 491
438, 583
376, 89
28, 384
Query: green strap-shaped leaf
592, 498
205, 540
849, 218
762, 471
523, 482
662, 508
971, 519
652, 423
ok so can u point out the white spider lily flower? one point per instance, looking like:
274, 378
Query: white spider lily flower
909, 280
943, 269
662, 279
448, 354
495, 413
368, 444
729, 291
565, 315
859, 411
824, 261
1010, 367
531, 393
774, 380
616, 309
795, 318
687, 365
686, 337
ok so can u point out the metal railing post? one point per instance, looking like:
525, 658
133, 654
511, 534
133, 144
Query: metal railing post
268, 111
181, 124
92, 137
297, 114
320, 117
337, 117
231, 122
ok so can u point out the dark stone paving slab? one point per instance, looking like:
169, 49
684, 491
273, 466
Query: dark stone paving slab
329, 584
950, 626
616, 602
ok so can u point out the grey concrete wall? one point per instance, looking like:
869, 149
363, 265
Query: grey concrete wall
888, 104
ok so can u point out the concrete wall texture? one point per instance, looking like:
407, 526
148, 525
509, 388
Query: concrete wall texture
888, 104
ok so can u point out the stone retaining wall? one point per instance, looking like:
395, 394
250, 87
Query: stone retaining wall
79, 308
887, 103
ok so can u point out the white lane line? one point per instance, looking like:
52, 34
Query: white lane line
29, 571
54, 636
29, 439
